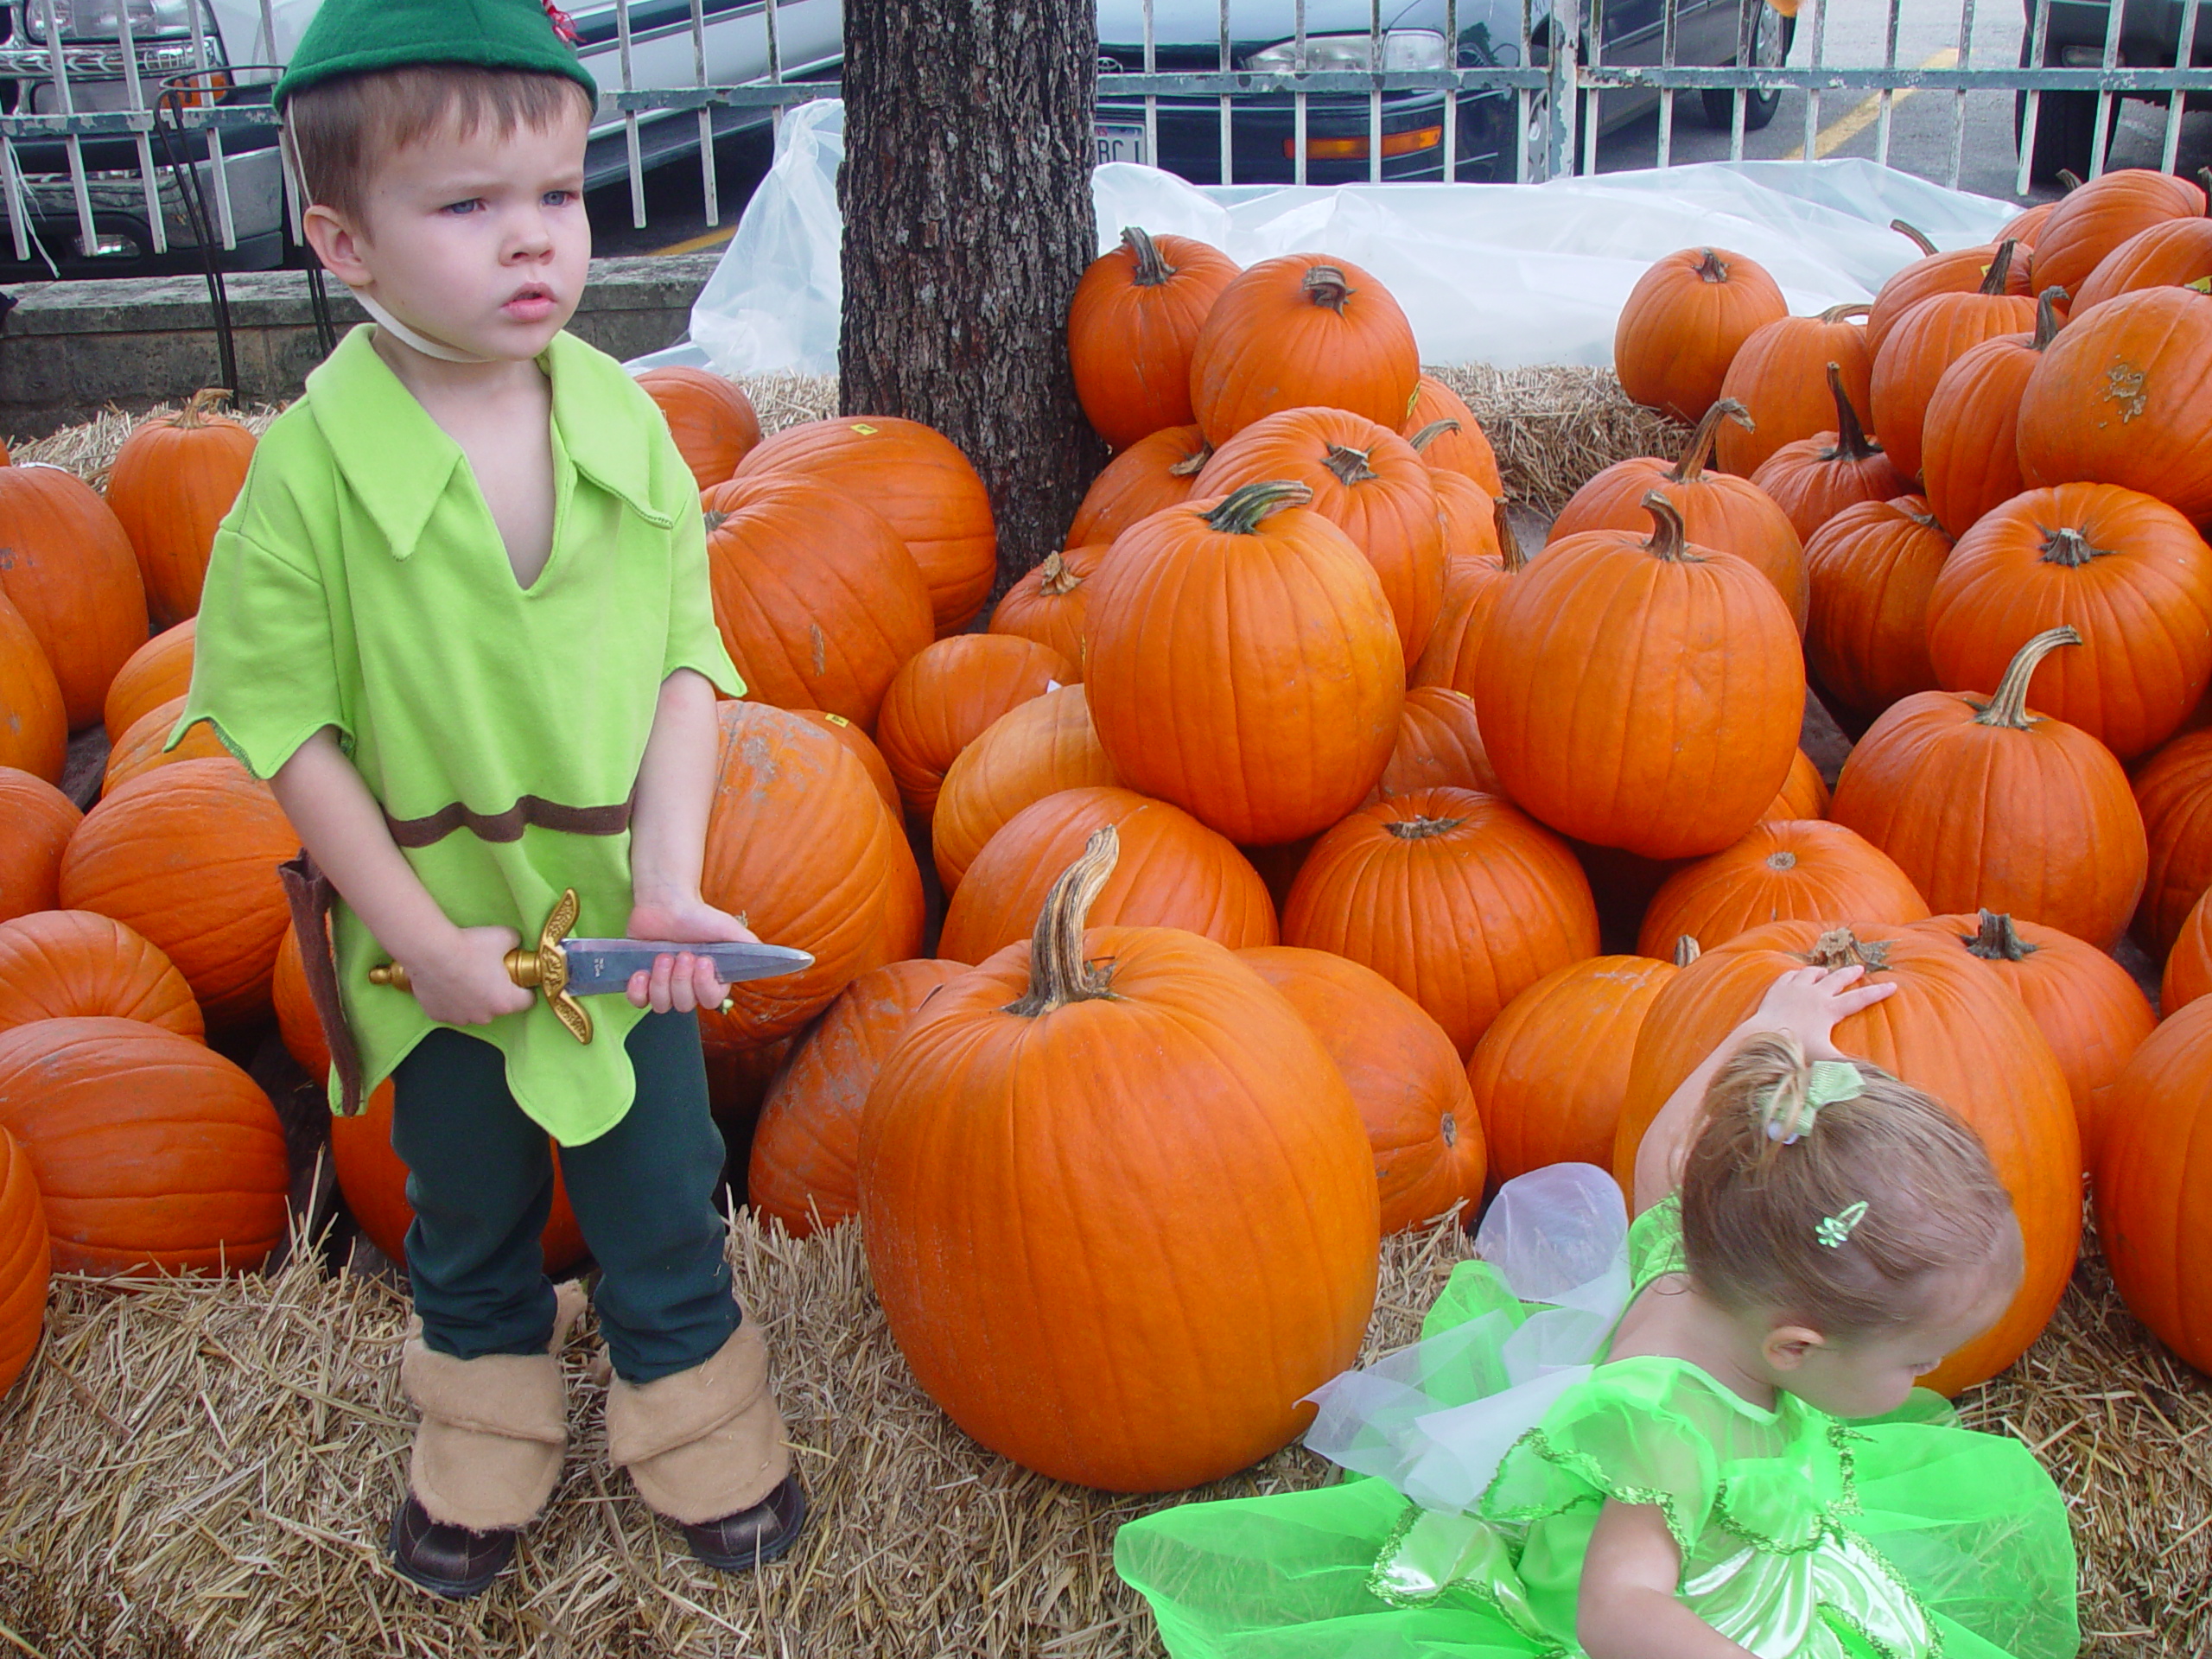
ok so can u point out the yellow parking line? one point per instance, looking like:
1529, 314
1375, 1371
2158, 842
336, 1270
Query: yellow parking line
1863, 115
699, 244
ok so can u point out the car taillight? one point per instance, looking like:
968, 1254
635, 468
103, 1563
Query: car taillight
1355, 150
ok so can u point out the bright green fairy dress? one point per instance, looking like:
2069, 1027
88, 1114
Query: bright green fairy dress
1802, 1537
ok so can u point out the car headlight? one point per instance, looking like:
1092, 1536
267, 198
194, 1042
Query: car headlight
1403, 48
102, 20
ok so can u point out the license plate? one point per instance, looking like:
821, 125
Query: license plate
1119, 144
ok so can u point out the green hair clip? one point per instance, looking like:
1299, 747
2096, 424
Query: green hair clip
1826, 1083
1834, 1230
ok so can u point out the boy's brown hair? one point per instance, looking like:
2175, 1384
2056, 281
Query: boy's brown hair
337, 131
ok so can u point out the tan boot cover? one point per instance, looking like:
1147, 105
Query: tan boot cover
703, 1443
488, 1450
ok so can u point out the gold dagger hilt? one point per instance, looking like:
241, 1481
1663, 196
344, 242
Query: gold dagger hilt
543, 970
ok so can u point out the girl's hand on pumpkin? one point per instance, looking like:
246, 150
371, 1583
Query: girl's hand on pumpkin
1808, 1002
465, 982
682, 982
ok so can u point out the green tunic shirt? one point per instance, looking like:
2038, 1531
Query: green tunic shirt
360, 583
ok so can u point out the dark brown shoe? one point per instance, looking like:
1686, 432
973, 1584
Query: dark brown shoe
453, 1561
752, 1537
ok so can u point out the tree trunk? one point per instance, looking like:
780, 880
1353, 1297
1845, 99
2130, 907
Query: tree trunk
966, 191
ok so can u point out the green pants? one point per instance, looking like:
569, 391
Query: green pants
480, 1179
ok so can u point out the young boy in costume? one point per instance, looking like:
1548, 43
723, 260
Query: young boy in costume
460, 619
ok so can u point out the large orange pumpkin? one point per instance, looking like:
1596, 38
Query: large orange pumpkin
158, 671
1643, 693
918, 482
1970, 447
1151, 473
40, 819
1928, 340
1777, 375
1987, 806
1961, 271
1132, 325
863, 748
1457, 899
1445, 431
143, 747
1472, 586
2124, 570
2152, 1178
709, 416
2189, 965
1683, 324
153, 1152
1871, 568
817, 600
1404, 1074
1468, 516
1807, 871
1048, 604
945, 697
1245, 665
1036, 748
2173, 791
805, 1168
1439, 746
67, 565
26, 1261
2173, 253
1173, 872
1952, 1028
1814, 478
173, 479
59, 964
34, 723
2089, 223
187, 855
1118, 1205
1304, 331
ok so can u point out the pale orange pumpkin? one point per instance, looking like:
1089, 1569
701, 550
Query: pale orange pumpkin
71, 572
1047, 605
1683, 324
159, 670
709, 416
60, 964
1036, 748
35, 732
1805, 871
945, 697
172, 481
141, 747
1448, 436
40, 819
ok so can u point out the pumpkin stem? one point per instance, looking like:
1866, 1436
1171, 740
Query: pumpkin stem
1998, 940
2069, 180
2009, 707
203, 403
1349, 465
1845, 313
1431, 433
1669, 540
1239, 512
1512, 555
1852, 442
1153, 268
1058, 580
1326, 285
714, 517
2205, 184
1698, 450
1687, 950
1840, 948
1057, 973
1782, 859
1194, 463
1711, 266
1422, 828
1913, 234
1918, 513
2001, 267
2047, 304
2069, 547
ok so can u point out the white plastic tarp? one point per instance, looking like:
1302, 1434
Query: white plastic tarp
1497, 273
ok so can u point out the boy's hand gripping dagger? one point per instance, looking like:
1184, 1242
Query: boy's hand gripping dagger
563, 969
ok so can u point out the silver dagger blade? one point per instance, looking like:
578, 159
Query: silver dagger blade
598, 966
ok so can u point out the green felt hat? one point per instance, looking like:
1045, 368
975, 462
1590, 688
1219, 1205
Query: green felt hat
351, 37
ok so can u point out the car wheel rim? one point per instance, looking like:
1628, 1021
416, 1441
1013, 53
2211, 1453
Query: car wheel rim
1767, 50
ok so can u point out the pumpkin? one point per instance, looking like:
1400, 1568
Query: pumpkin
2173, 253
738, 1076
2088, 1007
2024, 227
1304, 331
1777, 376
141, 747
1814, 478
2189, 965
1171, 872
804, 1167
2123, 396
172, 481
1952, 1028
1971, 454
1151, 473
2173, 791
917, 481
26, 1261
1987, 806
710, 418
298, 1026
1144, 1075
1961, 271
34, 722
1047, 605
817, 600
1473, 587
2089, 223
1445, 432
1439, 746
1244, 664
1549, 1073
1404, 1074
71, 572
1871, 568
1928, 340
1036, 748
864, 749
1804, 793
798, 843
60, 964
2152, 1180
1131, 327
2124, 570
156, 672
40, 819
187, 855
1686, 690
1459, 899
1683, 324
1809, 871
1718, 512
1468, 517
1367, 481
154, 1152
946, 696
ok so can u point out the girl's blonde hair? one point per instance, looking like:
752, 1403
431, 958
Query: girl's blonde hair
1753, 1207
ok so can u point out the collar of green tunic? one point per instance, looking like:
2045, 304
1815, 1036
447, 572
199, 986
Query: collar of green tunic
399, 462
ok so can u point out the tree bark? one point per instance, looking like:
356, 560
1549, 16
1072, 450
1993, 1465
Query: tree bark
966, 191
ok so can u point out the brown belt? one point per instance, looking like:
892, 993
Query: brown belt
509, 825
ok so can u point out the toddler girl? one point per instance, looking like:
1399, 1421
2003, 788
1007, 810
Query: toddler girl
1814, 1235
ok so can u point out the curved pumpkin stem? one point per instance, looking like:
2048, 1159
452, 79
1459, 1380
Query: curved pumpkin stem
1852, 442
1431, 432
2009, 707
1349, 465
2205, 184
1845, 313
1326, 285
1841, 948
2047, 304
1512, 556
1998, 940
1153, 269
1698, 450
1913, 234
1687, 950
2069, 180
1920, 515
1058, 580
1194, 463
1422, 828
204, 404
1057, 973
1711, 267
1669, 540
1239, 512
2001, 267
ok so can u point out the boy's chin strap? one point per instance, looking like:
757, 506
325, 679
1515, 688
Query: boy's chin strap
406, 336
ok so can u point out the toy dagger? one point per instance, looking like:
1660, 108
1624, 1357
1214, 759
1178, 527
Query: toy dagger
563, 969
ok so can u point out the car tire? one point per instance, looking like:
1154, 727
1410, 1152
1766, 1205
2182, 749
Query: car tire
1769, 50
2066, 127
